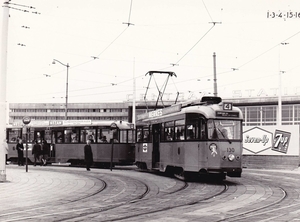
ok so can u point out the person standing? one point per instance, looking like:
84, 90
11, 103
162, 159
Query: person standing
5, 147
88, 155
20, 149
45, 152
36, 152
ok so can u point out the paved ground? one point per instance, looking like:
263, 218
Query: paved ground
25, 189
42, 185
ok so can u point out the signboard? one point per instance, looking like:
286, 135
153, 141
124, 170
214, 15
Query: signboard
160, 112
145, 147
227, 114
26, 120
271, 140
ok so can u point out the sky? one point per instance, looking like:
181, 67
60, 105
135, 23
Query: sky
109, 43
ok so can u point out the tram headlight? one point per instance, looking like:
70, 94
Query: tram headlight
231, 157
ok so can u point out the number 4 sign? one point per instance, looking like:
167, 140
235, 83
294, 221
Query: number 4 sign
227, 106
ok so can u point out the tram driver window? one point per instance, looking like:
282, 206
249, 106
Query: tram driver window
190, 132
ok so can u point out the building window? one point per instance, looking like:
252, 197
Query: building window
253, 115
269, 114
297, 112
287, 114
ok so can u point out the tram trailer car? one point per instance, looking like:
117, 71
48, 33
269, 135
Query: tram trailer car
191, 139
66, 141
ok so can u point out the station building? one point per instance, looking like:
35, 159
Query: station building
261, 135
257, 111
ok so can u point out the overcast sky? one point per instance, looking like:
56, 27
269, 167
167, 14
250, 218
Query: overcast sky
107, 42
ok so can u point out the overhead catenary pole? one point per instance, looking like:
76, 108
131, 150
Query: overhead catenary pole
215, 76
3, 65
67, 85
133, 97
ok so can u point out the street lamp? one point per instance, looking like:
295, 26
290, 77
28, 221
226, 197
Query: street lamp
66, 65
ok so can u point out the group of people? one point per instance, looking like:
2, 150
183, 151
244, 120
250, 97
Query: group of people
40, 151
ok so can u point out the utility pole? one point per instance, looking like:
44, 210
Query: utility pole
215, 76
3, 65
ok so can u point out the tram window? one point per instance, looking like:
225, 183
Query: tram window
47, 136
146, 134
190, 132
143, 134
87, 134
68, 133
75, 136
169, 131
224, 129
139, 134
71, 135
104, 135
59, 137
179, 130
13, 135
53, 137
123, 136
131, 138
202, 129
115, 136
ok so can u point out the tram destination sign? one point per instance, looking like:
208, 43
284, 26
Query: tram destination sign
160, 112
227, 114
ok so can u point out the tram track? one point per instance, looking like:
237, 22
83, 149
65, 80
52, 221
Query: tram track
69, 204
129, 195
139, 209
254, 213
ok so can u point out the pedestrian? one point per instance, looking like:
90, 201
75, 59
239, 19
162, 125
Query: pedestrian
88, 155
45, 152
5, 147
36, 152
20, 149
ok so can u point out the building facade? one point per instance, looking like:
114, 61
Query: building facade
257, 111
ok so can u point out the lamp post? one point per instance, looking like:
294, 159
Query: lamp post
67, 83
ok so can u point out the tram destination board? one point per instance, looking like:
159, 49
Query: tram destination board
227, 114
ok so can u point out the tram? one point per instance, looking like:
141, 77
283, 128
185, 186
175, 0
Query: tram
67, 138
191, 139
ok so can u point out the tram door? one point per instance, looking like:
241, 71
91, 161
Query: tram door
156, 140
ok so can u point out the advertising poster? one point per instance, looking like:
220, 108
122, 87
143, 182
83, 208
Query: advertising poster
271, 140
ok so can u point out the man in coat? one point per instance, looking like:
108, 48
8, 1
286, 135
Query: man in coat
20, 149
88, 155
36, 151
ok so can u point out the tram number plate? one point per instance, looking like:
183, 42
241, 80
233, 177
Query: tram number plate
227, 106
230, 150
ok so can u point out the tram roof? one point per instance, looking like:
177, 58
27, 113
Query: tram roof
209, 107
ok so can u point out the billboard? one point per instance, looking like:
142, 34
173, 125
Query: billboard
271, 140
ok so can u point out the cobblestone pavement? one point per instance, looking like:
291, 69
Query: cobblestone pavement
51, 187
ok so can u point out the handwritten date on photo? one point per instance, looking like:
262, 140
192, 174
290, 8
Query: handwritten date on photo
284, 15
